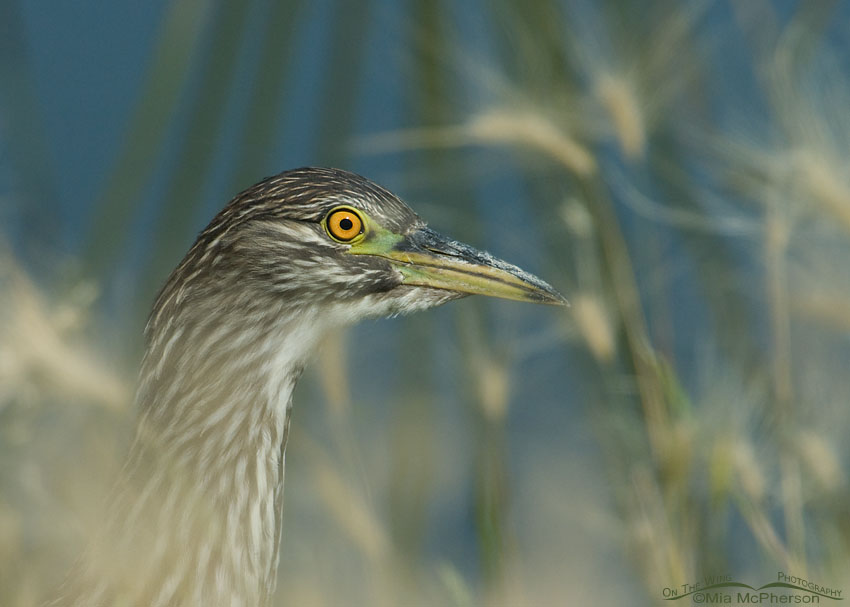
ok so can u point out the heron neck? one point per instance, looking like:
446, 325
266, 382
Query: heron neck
196, 516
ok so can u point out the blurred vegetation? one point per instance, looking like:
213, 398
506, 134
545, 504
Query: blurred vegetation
677, 169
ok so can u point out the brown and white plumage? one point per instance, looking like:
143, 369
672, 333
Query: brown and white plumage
195, 518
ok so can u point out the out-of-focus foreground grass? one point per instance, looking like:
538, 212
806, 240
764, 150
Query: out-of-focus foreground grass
683, 172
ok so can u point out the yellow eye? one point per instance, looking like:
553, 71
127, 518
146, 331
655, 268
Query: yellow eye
344, 224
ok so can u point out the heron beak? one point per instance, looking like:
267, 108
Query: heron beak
428, 259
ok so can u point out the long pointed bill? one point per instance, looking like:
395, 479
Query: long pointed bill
428, 259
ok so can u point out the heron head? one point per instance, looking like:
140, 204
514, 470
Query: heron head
324, 236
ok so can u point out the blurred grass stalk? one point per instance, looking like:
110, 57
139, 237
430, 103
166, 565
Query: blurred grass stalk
40, 354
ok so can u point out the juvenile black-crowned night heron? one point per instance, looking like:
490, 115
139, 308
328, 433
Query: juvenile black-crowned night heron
195, 518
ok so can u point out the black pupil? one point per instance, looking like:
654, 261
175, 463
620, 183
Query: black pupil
346, 224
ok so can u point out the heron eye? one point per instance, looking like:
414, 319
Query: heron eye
344, 224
